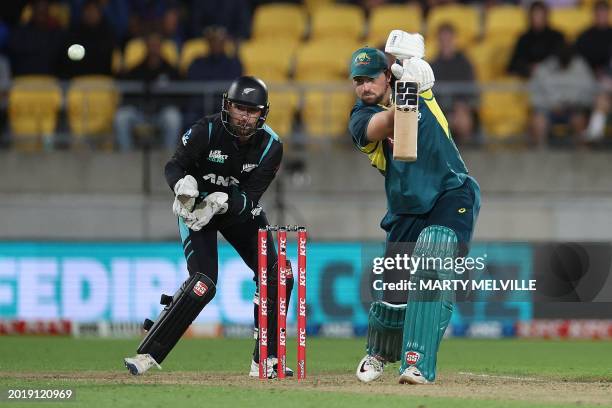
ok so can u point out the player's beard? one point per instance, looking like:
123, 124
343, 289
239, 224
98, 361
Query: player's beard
375, 99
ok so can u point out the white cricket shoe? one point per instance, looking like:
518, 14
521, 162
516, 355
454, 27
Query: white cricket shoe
412, 375
369, 369
272, 368
140, 363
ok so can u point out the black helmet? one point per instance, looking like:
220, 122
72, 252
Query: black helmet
250, 91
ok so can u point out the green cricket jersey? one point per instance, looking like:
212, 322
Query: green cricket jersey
413, 187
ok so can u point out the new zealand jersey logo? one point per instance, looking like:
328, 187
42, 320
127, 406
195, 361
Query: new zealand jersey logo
186, 137
247, 167
216, 156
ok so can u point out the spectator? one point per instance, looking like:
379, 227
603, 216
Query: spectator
234, 15
95, 35
538, 43
451, 65
561, 92
172, 27
595, 44
116, 13
216, 66
35, 48
153, 71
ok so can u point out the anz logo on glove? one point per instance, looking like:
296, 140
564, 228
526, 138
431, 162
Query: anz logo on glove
221, 181
185, 137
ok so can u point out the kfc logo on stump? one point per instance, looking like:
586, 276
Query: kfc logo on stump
412, 357
200, 288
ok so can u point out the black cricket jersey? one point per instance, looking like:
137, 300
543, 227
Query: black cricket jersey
216, 159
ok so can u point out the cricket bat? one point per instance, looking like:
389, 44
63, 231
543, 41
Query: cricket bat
406, 126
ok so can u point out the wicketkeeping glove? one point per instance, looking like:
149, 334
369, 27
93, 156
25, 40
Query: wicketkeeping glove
214, 203
186, 192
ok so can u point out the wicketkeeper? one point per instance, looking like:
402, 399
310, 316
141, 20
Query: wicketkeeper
432, 205
222, 166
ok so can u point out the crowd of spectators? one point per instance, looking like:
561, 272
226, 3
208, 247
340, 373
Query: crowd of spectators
569, 82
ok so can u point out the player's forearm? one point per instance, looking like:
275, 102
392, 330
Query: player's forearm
380, 126
173, 172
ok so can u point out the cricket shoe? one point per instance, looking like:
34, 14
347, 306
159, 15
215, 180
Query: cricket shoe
369, 369
412, 375
272, 363
140, 363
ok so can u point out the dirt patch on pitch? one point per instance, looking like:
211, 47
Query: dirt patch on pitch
456, 385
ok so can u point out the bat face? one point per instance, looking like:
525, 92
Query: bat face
406, 120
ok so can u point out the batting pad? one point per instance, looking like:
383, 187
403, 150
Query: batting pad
177, 316
428, 311
385, 323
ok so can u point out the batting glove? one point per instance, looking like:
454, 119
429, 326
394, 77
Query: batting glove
417, 70
404, 45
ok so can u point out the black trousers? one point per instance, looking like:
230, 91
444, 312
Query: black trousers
200, 249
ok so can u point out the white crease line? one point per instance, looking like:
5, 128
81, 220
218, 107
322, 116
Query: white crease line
505, 377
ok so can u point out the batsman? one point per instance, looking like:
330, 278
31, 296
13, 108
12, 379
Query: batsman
432, 204
221, 167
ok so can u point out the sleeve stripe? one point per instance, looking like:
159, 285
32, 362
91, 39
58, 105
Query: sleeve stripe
267, 148
244, 203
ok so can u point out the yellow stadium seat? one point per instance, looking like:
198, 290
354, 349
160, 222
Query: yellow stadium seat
283, 106
92, 101
388, 17
136, 52
325, 113
314, 5
505, 24
116, 62
57, 11
268, 60
196, 48
33, 104
279, 20
338, 21
490, 59
324, 60
571, 21
465, 20
504, 113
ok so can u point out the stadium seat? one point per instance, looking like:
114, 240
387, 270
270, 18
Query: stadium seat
325, 113
504, 113
571, 21
116, 62
283, 106
324, 60
196, 48
272, 21
268, 60
33, 104
338, 21
490, 59
465, 20
91, 105
314, 5
57, 11
136, 52
387, 17
504, 24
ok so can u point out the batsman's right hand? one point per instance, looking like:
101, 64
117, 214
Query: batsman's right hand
186, 192
404, 45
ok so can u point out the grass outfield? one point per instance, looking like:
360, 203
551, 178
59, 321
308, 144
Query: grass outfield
213, 372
